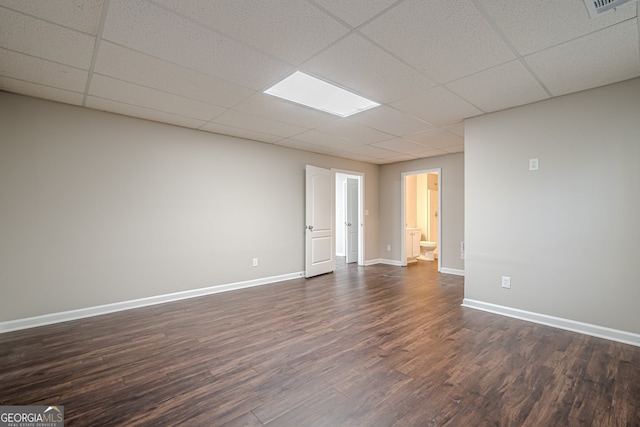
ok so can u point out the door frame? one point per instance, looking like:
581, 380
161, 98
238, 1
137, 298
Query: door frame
361, 211
403, 256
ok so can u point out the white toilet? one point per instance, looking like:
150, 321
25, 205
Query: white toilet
426, 249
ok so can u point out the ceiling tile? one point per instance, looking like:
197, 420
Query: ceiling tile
134, 67
258, 124
454, 149
395, 159
319, 138
437, 106
36, 70
305, 146
536, 25
142, 112
456, 128
604, 57
355, 132
239, 132
157, 32
371, 151
446, 39
429, 153
259, 23
389, 120
352, 156
358, 65
35, 37
203, 64
355, 12
504, 86
117, 90
81, 15
40, 91
261, 104
400, 146
436, 138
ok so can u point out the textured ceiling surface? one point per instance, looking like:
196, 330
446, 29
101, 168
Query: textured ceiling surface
204, 64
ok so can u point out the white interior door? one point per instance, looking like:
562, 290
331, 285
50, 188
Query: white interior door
352, 218
320, 221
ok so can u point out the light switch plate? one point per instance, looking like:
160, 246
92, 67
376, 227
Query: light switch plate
506, 282
534, 164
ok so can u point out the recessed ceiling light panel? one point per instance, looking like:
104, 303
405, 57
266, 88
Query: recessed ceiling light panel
304, 89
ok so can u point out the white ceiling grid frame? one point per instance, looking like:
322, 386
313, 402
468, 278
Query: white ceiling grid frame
135, 67
414, 29
305, 146
373, 151
500, 87
456, 129
437, 106
532, 26
390, 120
354, 132
150, 29
240, 132
81, 15
353, 156
258, 124
437, 138
401, 146
164, 60
141, 112
40, 91
45, 40
258, 23
349, 62
591, 60
270, 107
36, 70
319, 138
128, 93
352, 12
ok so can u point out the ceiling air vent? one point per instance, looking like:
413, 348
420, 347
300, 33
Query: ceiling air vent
598, 7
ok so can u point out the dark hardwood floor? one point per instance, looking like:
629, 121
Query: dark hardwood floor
372, 346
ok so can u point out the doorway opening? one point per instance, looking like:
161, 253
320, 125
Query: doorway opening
349, 218
421, 234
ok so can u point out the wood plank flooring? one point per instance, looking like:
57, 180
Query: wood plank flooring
364, 346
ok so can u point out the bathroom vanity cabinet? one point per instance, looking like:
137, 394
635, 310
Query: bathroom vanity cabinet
412, 244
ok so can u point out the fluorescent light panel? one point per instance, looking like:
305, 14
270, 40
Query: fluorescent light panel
315, 93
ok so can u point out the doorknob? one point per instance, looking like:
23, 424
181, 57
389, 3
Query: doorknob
349, 225
310, 227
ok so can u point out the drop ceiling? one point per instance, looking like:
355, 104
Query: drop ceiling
204, 64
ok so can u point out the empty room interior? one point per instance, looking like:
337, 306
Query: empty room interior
195, 229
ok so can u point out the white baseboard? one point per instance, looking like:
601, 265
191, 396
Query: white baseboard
556, 322
455, 271
65, 316
390, 262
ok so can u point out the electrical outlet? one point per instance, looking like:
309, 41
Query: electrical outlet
388, 247
255, 262
506, 282
534, 164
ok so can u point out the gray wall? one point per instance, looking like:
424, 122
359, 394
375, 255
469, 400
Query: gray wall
451, 211
567, 234
98, 208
